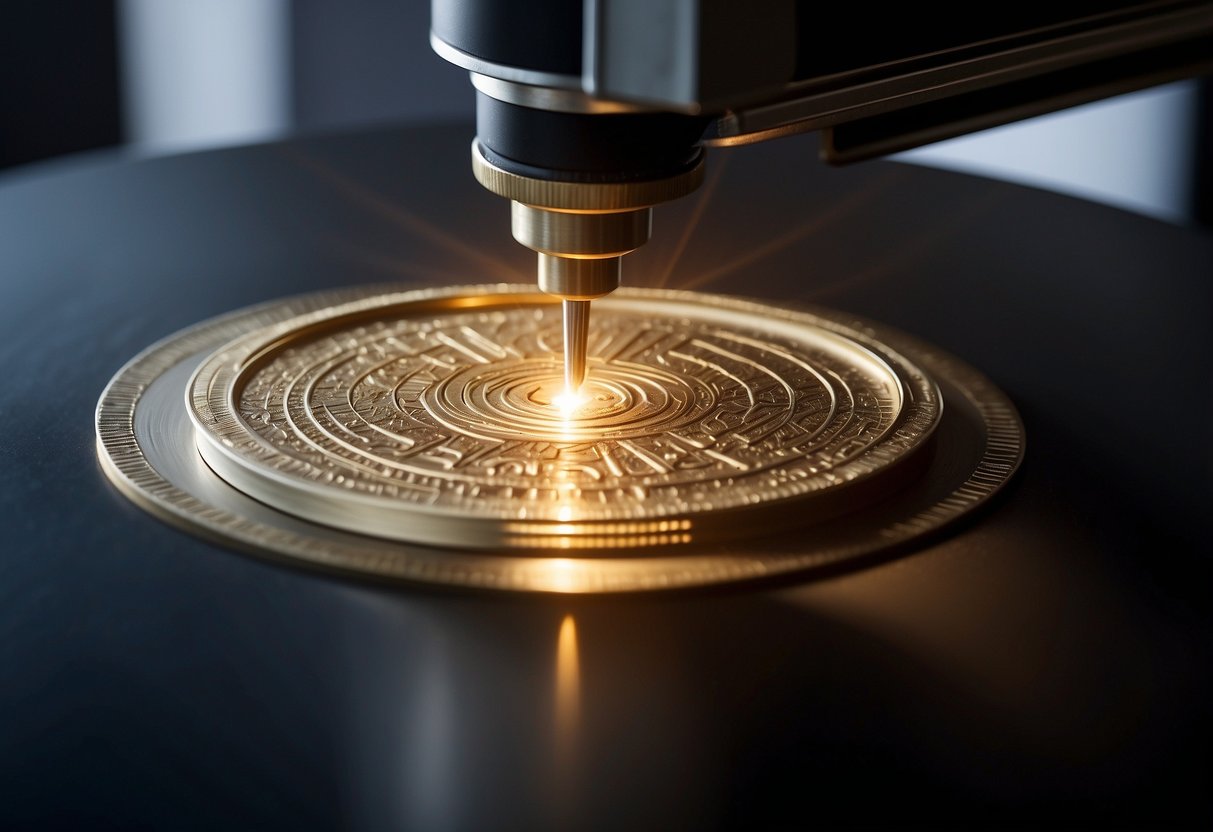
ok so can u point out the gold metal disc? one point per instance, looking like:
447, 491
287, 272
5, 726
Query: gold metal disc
439, 419
364, 430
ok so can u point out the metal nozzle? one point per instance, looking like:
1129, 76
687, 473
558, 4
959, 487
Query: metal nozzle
581, 230
577, 282
580, 259
576, 333
579, 252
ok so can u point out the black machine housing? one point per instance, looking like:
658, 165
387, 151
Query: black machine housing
620, 90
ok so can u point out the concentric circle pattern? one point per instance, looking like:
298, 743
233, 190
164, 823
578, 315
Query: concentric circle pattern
525, 399
450, 425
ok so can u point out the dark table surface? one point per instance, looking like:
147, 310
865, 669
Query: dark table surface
1048, 661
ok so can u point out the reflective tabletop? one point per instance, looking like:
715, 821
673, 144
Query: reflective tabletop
1046, 661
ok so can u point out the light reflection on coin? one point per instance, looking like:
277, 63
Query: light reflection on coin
432, 420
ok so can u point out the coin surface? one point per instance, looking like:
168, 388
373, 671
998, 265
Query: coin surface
442, 419
148, 442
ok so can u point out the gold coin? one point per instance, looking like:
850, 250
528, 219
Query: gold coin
439, 419
886, 485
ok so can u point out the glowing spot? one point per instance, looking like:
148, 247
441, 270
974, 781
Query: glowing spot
569, 402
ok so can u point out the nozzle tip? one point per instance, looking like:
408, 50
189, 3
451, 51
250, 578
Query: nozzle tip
576, 333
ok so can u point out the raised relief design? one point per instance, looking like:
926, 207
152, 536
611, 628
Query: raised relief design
684, 411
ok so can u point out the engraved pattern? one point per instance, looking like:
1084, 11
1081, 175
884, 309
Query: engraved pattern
686, 412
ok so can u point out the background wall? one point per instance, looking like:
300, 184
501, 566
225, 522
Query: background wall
157, 76
59, 80
1135, 151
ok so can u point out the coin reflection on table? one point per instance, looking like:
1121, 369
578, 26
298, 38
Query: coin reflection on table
441, 418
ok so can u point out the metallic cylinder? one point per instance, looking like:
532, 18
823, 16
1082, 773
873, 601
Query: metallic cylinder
580, 234
584, 196
578, 278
